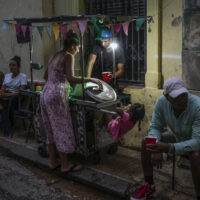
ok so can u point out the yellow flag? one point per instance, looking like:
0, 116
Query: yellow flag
108, 25
12, 26
56, 29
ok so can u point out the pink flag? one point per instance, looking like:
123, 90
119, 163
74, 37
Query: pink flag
82, 25
117, 27
31, 30
63, 29
18, 29
74, 27
125, 27
24, 27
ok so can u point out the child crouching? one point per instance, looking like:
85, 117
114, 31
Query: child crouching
125, 120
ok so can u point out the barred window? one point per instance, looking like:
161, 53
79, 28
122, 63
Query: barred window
134, 44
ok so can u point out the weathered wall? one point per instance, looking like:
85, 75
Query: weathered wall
9, 47
191, 44
42, 49
171, 38
164, 46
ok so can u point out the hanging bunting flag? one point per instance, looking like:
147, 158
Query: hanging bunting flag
109, 25
24, 27
117, 27
12, 26
74, 27
18, 29
63, 29
5, 25
49, 31
56, 29
139, 23
40, 30
82, 26
125, 27
31, 28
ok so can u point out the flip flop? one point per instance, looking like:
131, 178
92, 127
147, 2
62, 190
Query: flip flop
55, 168
69, 170
76, 168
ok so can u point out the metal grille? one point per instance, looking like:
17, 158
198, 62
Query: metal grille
135, 44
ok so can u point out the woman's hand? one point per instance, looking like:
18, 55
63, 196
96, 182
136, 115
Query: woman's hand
98, 82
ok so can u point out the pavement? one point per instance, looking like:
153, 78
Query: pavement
119, 174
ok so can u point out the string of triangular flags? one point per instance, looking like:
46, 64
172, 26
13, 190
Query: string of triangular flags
78, 27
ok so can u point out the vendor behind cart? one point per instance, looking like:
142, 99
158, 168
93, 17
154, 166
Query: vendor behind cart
103, 56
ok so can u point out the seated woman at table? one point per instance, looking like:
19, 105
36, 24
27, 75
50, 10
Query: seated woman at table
13, 81
55, 109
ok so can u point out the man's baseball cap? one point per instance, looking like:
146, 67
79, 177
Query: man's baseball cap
174, 87
104, 34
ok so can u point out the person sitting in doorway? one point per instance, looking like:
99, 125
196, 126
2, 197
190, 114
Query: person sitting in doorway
180, 111
9, 91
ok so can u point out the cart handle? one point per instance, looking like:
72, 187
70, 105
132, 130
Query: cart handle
102, 110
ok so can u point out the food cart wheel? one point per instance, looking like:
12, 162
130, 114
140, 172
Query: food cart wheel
42, 150
96, 157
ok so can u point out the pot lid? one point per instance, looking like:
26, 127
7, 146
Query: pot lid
107, 94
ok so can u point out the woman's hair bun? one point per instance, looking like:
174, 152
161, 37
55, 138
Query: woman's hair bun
71, 38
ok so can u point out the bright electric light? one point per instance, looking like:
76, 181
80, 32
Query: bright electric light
113, 45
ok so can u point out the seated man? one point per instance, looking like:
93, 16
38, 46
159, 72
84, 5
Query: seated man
9, 91
180, 111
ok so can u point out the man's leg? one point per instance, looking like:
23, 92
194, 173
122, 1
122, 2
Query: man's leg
146, 164
195, 168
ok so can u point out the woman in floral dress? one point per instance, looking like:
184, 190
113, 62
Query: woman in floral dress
54, 103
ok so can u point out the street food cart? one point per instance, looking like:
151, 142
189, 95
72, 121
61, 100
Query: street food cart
83, 107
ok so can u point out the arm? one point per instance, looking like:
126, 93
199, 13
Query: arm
69, 71
23, 82
46, 74
120, 71
90, 65
192, 144
157, 122
120, 111
1, 77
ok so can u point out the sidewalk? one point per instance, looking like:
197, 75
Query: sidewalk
118, 174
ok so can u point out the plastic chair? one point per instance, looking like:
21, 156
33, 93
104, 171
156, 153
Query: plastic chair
27, 109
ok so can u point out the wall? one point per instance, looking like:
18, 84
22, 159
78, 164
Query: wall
9, 47
172, 38
164, 46
42, 49
191, 44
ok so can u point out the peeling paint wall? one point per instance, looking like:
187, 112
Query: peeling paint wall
171, 39
164, 47
191, 44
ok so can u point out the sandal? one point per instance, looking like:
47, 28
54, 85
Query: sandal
76, 168
54, 168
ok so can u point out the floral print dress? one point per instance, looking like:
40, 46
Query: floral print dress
55, 110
